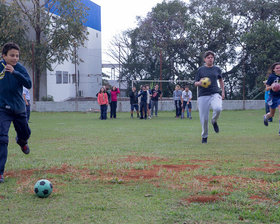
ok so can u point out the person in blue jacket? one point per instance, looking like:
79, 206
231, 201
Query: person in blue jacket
13, 76
274, 98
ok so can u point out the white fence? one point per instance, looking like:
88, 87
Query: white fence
124, 105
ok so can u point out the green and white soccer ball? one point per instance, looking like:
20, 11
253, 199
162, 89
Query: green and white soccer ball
43, 188
205, 82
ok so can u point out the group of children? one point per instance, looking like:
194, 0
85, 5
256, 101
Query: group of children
107, 97
147, 99
144, 101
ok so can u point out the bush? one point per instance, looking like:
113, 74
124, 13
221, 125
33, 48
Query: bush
47, 98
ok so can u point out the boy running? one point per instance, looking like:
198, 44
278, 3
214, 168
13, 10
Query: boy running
12, 106
209, 97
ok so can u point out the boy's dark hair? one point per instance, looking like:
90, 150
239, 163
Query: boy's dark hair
9, 46
207, 53
273, 66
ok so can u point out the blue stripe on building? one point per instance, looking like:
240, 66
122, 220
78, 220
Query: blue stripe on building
94, 15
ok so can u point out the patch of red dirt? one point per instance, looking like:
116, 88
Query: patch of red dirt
268, 167
26, 181
151, 172
23, 174
256, 197
204, 199
228, 183
178, 168
264, 170
167, 175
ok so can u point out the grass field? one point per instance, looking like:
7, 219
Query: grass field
144, 171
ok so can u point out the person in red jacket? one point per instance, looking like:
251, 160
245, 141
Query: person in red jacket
114, 98
102, 99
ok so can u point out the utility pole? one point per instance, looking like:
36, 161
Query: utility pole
33, 72
160, 74
243, 69
119, 66
76, 77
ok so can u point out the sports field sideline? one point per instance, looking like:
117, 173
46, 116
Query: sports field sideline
145, 171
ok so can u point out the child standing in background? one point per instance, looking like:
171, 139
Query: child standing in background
26, 97
143, 102
177, 96
102, 99
148, 101
186, 101
114, 100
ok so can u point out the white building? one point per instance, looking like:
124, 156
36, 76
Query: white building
61, 83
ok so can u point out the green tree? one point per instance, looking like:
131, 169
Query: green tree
244, 34
180, 34
161, 33
12, 28
56, 37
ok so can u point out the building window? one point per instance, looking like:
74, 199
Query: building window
58, 77
96, 35
65, 77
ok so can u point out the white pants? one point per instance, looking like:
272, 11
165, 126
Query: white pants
204, 104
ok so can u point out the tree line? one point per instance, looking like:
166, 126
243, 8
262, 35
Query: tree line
169, 43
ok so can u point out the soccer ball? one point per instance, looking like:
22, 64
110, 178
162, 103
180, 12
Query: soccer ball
275, 87
43, 188
205, 82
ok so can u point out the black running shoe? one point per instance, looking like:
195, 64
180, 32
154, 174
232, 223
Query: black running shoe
265, 121
25, 149
204, 140
216, 127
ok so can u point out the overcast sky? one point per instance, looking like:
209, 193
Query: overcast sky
120, 15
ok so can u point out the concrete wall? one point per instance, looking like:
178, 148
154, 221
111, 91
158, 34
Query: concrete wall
124, 105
